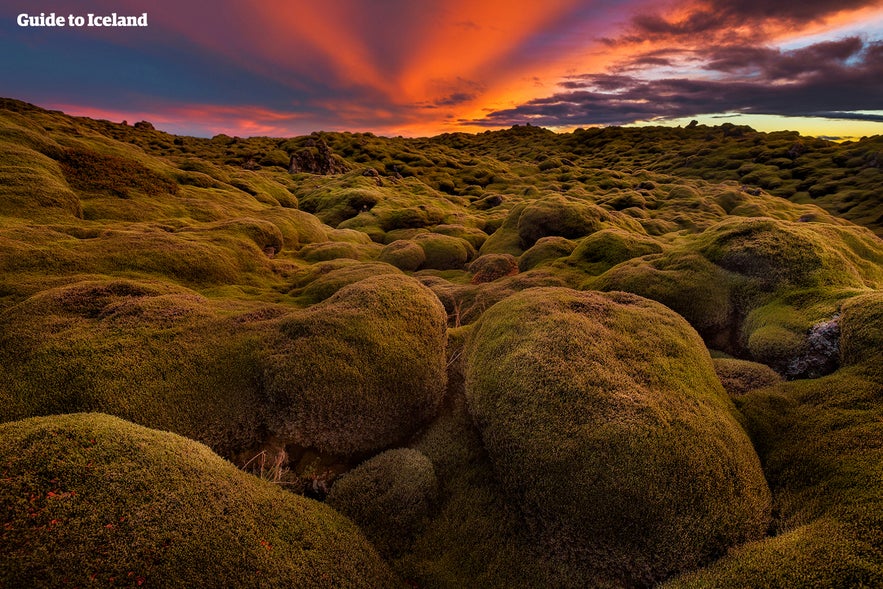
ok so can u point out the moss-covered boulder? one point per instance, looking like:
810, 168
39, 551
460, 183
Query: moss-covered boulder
685, 282
604, 249
390, 497
544, 250
89, 498
861, 332
557, 215
740, 376
784, 254
360, 370
625, 458
404, 254
490, 267
444, 252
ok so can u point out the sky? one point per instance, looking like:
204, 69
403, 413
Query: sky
424, 67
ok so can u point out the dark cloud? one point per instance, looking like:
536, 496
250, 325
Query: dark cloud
833, 80
718, 17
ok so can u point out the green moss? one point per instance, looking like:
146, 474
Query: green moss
359, 371
686, 283
32, 184
819, 442
444, 252
90, 498
740, 376
390, 497
544, 250
778, 253
861, 328
604, 249
491, 267
333, 250
149, 352
558, 216
476, 237
403, 254
577, 420
331, 278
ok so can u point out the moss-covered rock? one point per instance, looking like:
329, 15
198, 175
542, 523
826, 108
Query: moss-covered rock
491, 267
627, 471
159, 355
861, 332
89, 498
403, 254
444, 252
320, 281
360, 370
604, 249
740, 376
390, 497
685, 282
544, 250
819, 443
558, 216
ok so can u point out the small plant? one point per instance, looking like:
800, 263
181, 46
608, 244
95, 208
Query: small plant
268, 468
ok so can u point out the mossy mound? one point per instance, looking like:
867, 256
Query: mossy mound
778, 253
32, 185
444, 252
491, 267
558, 216
90, 498
403, 254
685, 282
390, 497
861, 332
545, 250
604, 249
335, 250
740, 376
360, 370
159, 355
819, 441
627, 471
320, 281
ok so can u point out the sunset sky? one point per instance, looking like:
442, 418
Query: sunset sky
405, 67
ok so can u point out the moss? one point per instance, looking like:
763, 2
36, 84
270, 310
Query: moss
604, 249
740, 376
91, 498
444, 252
544, 250
778, 253
332, 279
819, 442
403, 254
861, 329
91, 171
32, 184
360, 370
558, 216
390, 497
266, 235
491, 267
195, 365
548, 367
684, 282
476, 237
333, 250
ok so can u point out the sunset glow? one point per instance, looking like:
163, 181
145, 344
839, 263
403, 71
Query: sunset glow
396, 67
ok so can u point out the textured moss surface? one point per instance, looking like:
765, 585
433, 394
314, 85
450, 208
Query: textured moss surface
628, 462
89, 498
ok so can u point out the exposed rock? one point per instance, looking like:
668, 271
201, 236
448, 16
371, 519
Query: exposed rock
317, 158
822, 354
